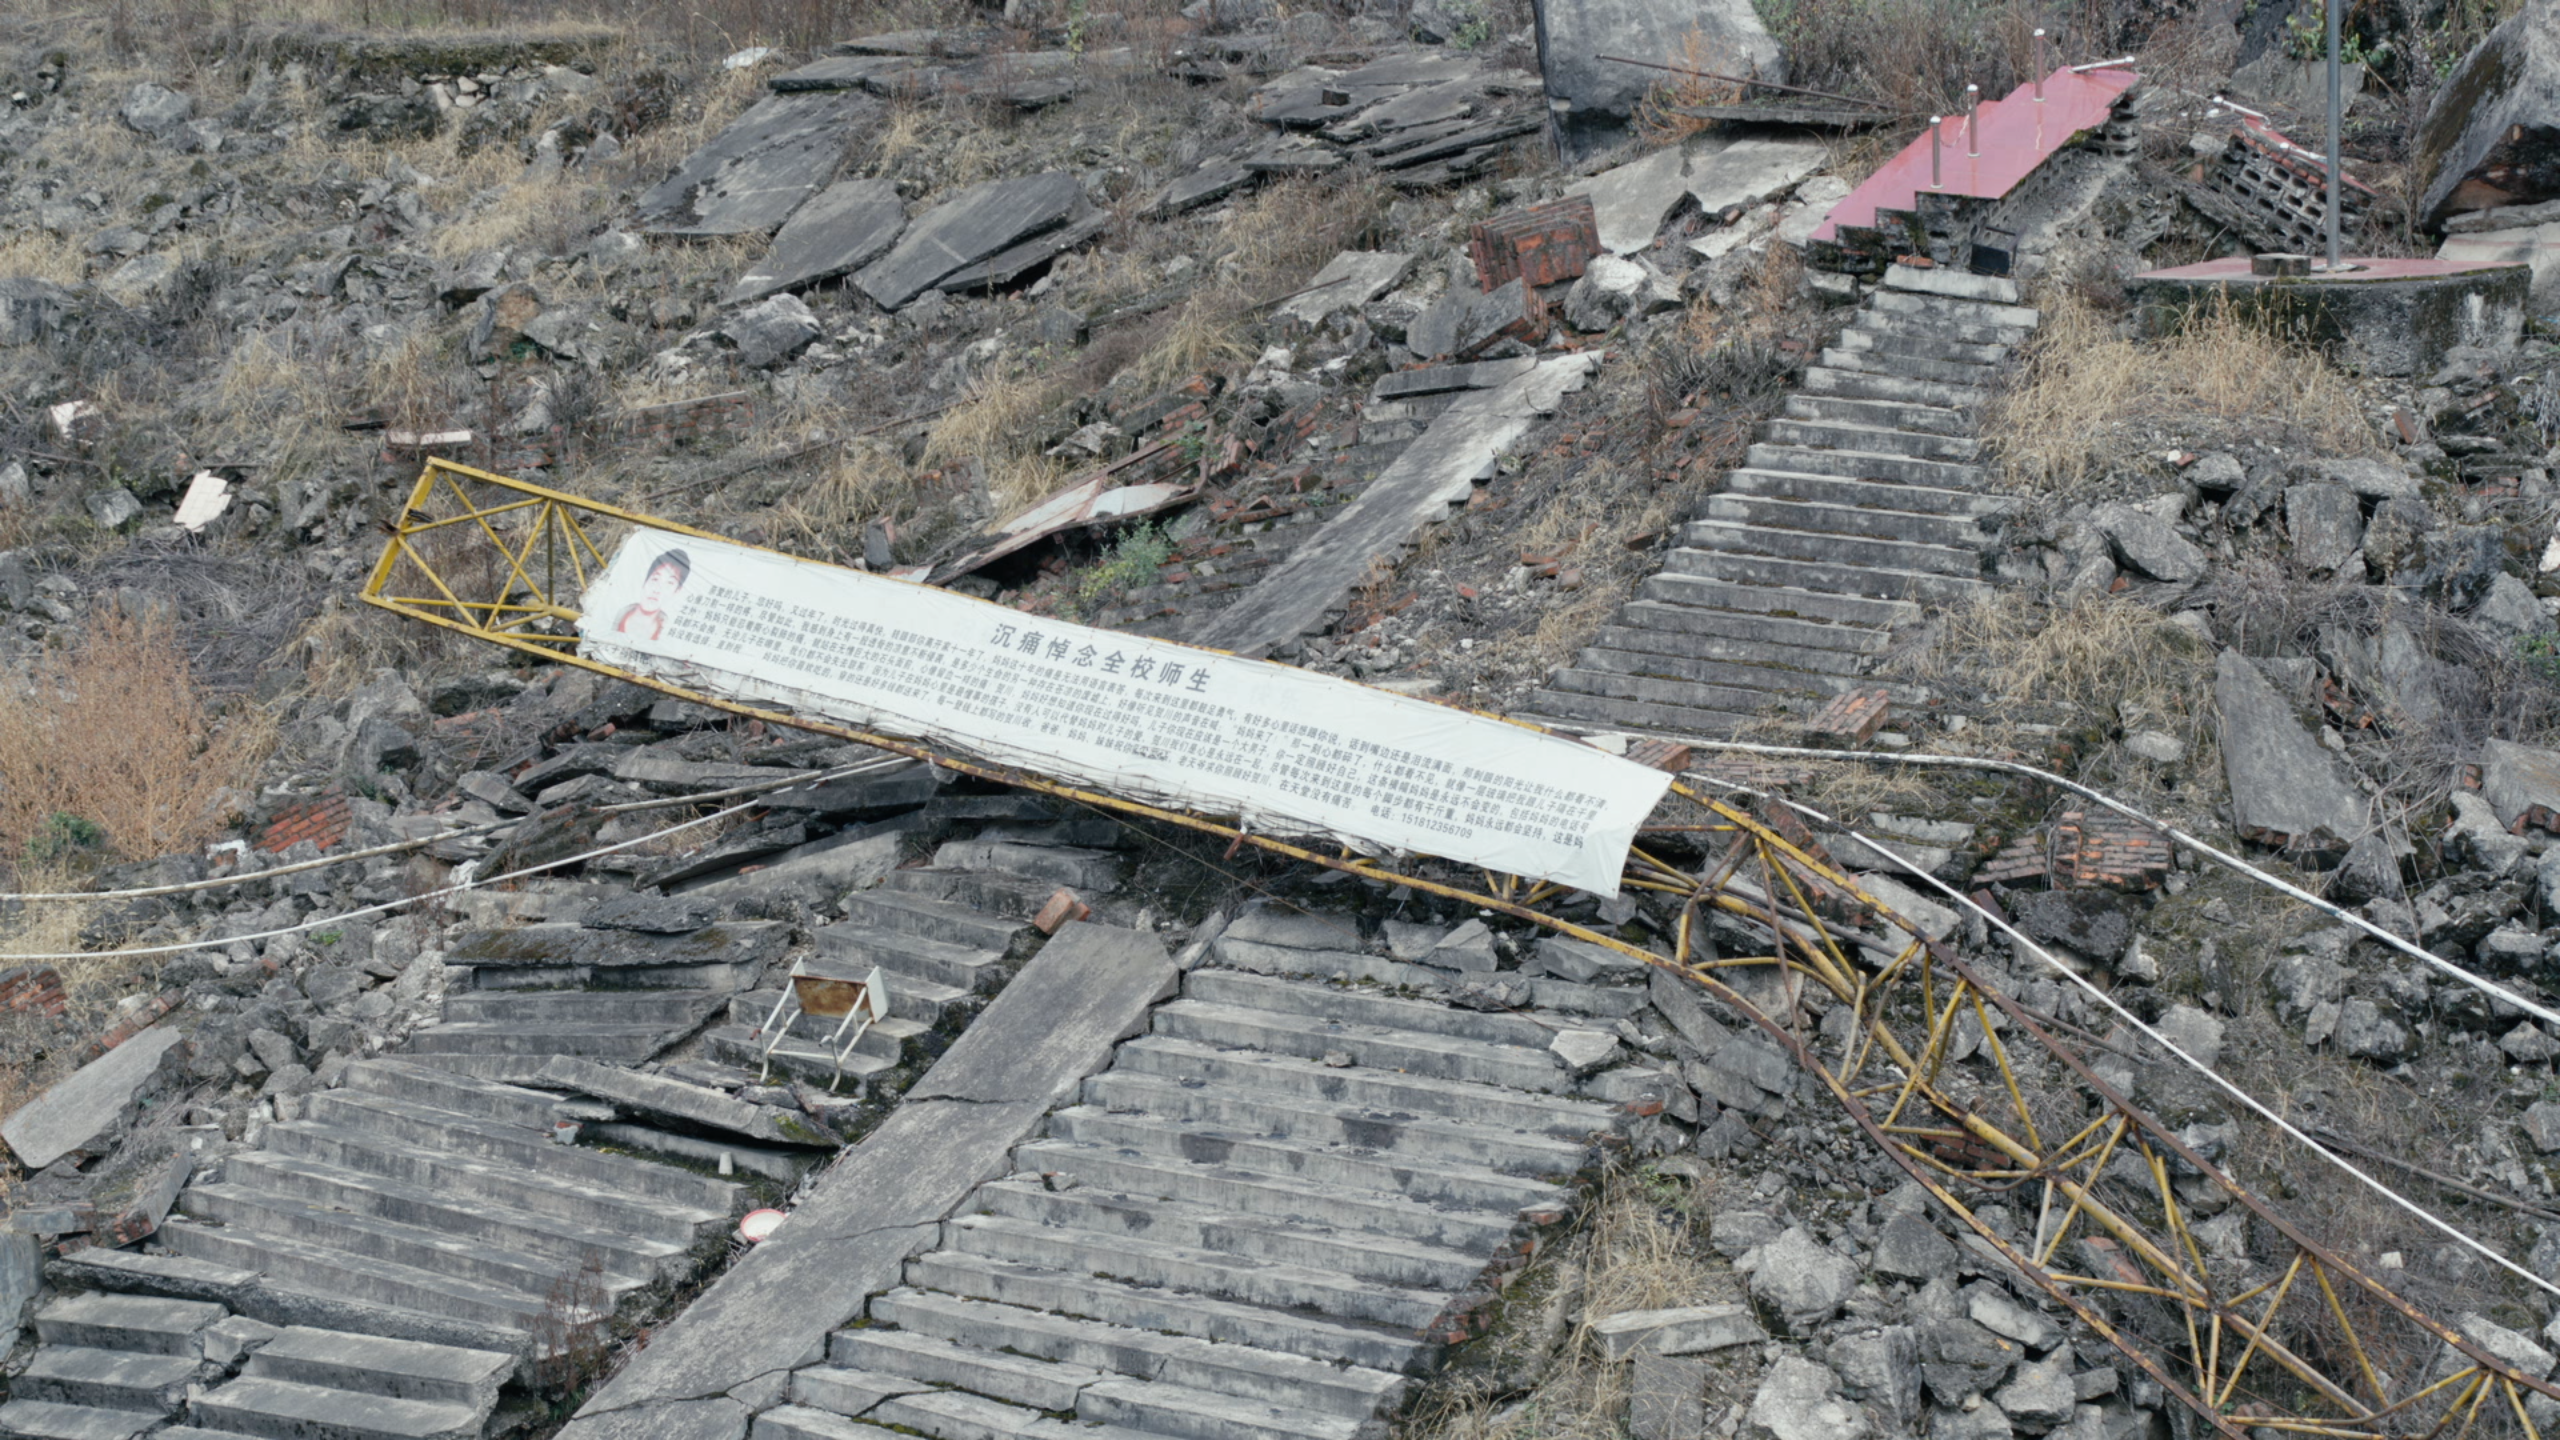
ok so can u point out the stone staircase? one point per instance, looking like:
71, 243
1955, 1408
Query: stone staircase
945, 937
417, 1188
114, 1366
1859, 507
1253, 1226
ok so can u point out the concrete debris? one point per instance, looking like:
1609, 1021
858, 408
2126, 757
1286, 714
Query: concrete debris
1347, 282
770, 333
85, 1110
2488, 132
756, 173
976, 227
2285, 789
847, 226
1595, 98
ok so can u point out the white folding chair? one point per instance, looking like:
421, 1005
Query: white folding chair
853, 1004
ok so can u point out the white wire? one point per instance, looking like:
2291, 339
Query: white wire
473, 883
2207, 1071
2480, 983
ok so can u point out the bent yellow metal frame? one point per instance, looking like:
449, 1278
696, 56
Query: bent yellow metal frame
2293, 1350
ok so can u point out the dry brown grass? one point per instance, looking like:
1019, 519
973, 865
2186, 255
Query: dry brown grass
41, 255
117, 735
1658, 117
2085, 384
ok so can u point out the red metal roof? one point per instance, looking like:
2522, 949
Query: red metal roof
2014, 137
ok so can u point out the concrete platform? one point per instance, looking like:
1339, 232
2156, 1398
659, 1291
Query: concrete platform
2386, 316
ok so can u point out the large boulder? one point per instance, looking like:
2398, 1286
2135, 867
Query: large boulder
1594, 99
2285, 789
1799, 1279
2492, 131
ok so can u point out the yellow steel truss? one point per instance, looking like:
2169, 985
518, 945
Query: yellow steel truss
2291, 1338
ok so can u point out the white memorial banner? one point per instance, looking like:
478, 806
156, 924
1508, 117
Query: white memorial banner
1285, 751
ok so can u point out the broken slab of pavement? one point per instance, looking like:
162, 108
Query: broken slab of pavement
752, 176
2285, 789
851, 224
658, 1096
1633, 200
972, 227
731, 1353
90, 1105
1594, 99
1438, 470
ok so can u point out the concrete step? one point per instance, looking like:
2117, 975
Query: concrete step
1784, 602
494, 1069
1241, 1185
663, 1010
105, 1379
959, 1415
1363, 1007
1113, 1301
257, 1405
1981, 378
1186, 1061
354, 1277
596, 1040
1090, 871
1359, 1254
364, 1237
354, 1192
25, 1419
429, 1128
1440, 1056
1156, 1408
1437, 1182
802, 1422
1951, 309
855, 946
1880, 414
1892, 497
1867, 439
1864, 465
994, 892
1830, 547
1715, 676
575, 1202
1955, 284
885, 1040
801, 1059
1244, 1371
901, 913
380, 1365
1573, 710
1038, 1383
1694, 694
145, 1324
1839, 577
1862, 384
461, 1094
1686, 645
1355, 1127
1824, 517
1922, 340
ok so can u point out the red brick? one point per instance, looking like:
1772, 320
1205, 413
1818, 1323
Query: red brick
1852, 718
323, 821
1545, 244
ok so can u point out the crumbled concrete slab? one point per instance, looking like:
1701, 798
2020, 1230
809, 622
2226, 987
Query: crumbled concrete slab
88, 1105
2284, 787
1683, 1330
2537, 247
753, 175
2496, 109
1053, 1025
979, 222
849, 225
1749, 171
2521, 783
1633, 200
1347, 281
1437, 471
1206, 184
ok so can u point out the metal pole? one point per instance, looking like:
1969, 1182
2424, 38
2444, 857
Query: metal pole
1972, 132
2039, 67
1937, 132
2334, 108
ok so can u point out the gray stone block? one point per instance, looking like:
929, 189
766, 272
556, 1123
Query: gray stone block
88, 1105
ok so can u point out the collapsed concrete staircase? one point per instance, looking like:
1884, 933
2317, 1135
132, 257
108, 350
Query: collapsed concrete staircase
416, 1188
1249, 1229
944, 937
1859, 507
116, 1366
